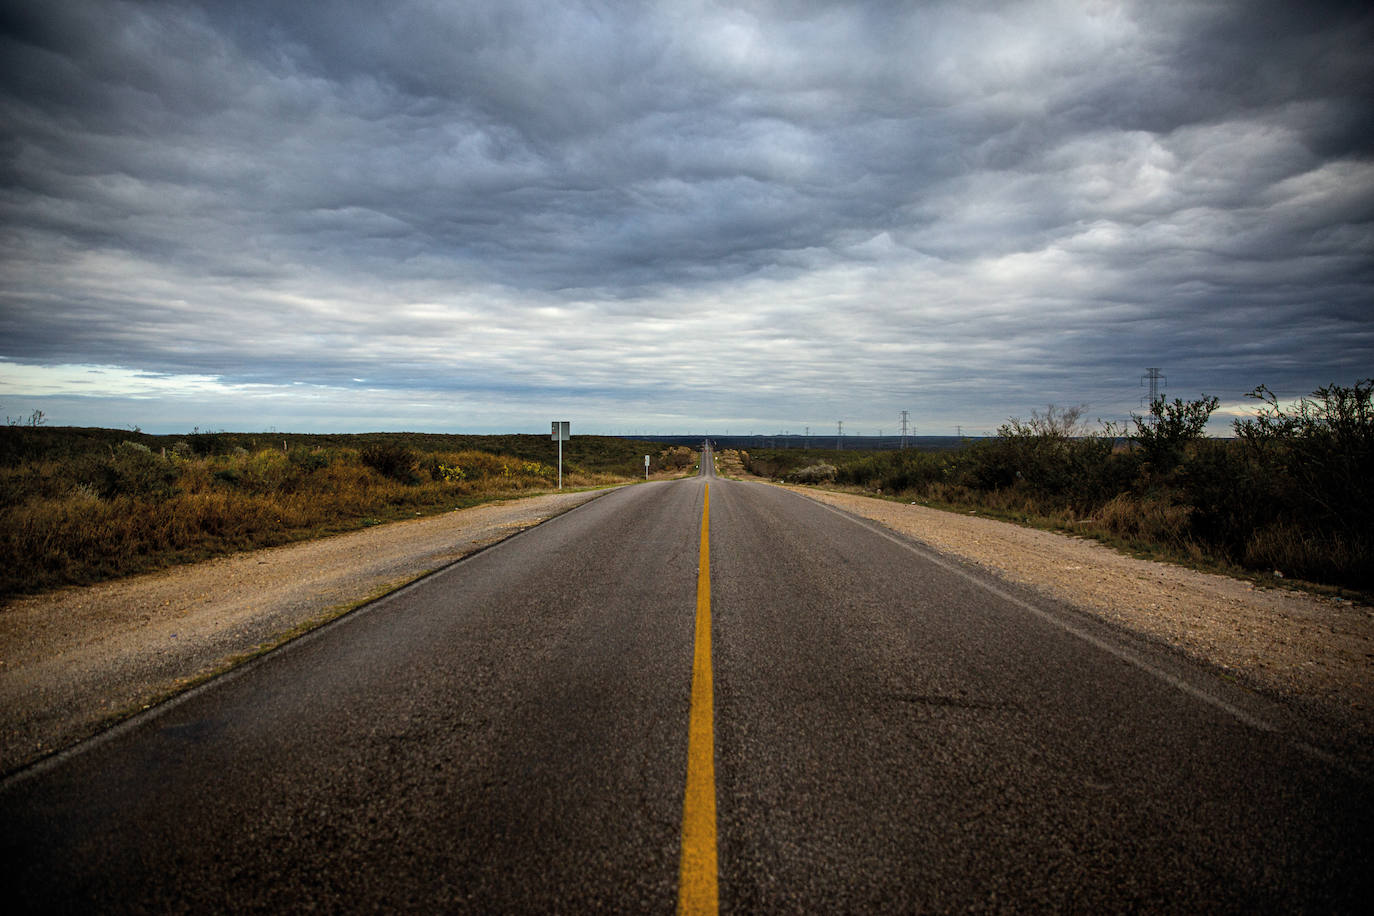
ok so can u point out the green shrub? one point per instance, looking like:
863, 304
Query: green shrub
132, 469
308, 459
231, 476
205, 444
765, 464
1311, 466
1228, 498
394, 461
268, 471
1170, 429
1051, 456
677, 458
1318, 453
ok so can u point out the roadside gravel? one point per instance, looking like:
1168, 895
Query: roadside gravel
1318, 651
74, 660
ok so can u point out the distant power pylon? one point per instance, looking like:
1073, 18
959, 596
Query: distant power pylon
839, 434
1154, 377
906, 416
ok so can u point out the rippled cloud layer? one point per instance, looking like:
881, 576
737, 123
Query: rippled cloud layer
677, 216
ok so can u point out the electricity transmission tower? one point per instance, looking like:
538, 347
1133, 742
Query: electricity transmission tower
839, 434
906, 416
1154, 377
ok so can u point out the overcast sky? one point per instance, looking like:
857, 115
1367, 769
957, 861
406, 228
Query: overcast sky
676, 216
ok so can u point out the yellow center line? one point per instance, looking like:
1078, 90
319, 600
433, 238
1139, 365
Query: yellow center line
697, 876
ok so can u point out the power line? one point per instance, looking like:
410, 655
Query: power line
1154, 377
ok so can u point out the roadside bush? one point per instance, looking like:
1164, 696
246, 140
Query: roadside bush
448, 473
1317, 454
765, 465
308, 459
538, 470
924, 473
132, 469
816, 473
1225, 490
469, 469
1051, 456
230, 476
1294, 491
205, 444
80, 505
1316, 556
1146, 521
267, 471
394, 461
677, 458
1170, 429
1311, 474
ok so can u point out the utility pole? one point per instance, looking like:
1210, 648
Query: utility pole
1154, 378
906, 416
839, 435
806, 443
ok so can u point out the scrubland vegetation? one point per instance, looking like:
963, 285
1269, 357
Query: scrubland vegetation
80, 505
1292, 491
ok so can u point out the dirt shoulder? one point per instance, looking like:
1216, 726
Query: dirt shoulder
74, 660
1319, 651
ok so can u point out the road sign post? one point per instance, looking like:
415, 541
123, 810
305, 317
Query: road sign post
561, 435
646, 467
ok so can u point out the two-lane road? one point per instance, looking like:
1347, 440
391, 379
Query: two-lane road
890, 733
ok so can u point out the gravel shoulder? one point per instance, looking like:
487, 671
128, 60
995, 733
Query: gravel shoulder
75, 660
1313, 650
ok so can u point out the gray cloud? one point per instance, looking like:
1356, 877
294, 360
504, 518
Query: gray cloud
696, 212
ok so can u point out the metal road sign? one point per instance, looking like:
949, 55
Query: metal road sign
560, 434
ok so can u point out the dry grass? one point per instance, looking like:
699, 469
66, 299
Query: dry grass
731, 462
1288, 547
129, 509
1153, 521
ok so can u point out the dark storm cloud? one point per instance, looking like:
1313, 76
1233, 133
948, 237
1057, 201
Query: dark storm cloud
591, 198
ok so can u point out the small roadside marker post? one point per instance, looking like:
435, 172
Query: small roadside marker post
646, 467
561, 435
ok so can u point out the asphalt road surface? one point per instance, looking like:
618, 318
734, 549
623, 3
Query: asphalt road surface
892, 733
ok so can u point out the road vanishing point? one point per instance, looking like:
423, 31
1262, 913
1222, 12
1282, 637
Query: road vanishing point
701, 695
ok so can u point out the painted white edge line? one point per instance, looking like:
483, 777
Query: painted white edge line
161, 708
1120, 652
